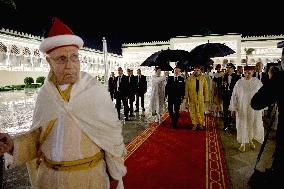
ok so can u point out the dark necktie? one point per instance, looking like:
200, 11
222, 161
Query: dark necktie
258, 76
176, 78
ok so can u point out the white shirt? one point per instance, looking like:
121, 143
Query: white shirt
118, 82
229, 81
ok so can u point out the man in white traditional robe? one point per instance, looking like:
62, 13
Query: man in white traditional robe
249, 122
75, 139
157, 98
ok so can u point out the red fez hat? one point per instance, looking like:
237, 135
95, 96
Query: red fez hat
249, 68
59, 35
197, 66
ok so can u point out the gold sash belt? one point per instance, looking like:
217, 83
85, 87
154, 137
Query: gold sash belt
75, 165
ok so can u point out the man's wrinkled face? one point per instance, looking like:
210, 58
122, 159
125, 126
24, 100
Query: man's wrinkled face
64, 63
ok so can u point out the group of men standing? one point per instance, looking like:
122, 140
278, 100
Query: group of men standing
192, 90
125, 89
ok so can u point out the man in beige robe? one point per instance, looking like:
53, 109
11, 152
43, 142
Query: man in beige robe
196, 94
76, 139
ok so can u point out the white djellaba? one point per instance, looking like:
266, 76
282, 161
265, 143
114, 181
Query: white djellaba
157, 98
249, 122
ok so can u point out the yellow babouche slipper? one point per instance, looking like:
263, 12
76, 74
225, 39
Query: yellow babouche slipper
242, 148
251, 144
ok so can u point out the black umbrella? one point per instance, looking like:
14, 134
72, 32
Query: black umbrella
210, 50
280, 44
165, 56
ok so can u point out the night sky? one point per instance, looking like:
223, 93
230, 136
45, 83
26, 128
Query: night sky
141, 21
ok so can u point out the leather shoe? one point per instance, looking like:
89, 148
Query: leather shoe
136, 111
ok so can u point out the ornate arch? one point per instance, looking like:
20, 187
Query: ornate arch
3, 48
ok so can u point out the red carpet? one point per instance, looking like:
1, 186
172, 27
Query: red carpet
166, 158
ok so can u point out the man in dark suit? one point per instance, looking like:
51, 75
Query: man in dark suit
121, 93
131, 90
228, 84
262, 76
111, 85
141, 89
175, 92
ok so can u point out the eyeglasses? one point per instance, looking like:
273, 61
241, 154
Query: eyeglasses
64, 59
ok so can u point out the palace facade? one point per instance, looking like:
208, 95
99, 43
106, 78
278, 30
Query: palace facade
20, 56
265, 48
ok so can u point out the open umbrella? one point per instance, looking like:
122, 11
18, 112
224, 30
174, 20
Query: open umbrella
280, 44
210, 50
165, 56
203, 53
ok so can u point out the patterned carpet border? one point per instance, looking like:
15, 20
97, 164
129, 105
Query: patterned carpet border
136, 142
216, 170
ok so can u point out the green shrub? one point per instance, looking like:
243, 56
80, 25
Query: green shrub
16, 87
28, 80
33, 85
40, 79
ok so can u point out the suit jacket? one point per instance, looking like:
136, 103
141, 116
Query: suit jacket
131, 85
111, 84
264, 77
227, 89
141, 85
122, 89
175, 89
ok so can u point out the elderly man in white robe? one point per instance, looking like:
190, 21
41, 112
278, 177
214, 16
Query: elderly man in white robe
249, 122
157, 98
75, 139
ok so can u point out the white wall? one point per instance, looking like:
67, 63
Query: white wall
17, 77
